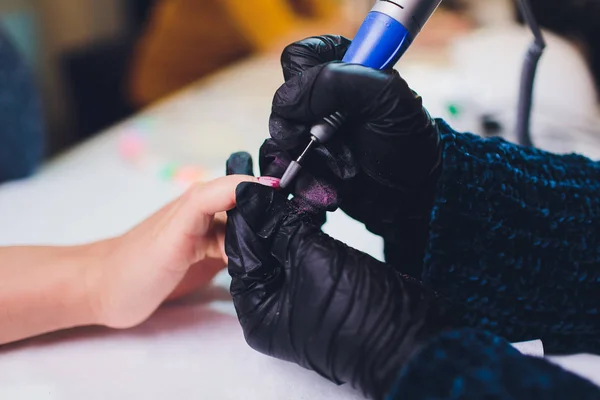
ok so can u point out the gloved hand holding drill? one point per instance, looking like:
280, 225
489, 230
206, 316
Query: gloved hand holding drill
485, 228
382, 165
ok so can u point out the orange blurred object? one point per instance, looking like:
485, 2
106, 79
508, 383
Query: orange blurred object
188, 39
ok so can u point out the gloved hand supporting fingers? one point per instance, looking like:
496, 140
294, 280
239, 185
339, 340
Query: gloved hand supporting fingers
357, 296
253, 270
250, 228
310, 52
244, 269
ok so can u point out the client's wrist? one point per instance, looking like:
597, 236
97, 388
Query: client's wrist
90, 285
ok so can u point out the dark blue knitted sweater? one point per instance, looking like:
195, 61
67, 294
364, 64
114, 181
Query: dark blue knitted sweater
515, 237
474, 365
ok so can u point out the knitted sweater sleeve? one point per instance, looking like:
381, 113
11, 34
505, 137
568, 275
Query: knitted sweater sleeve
515, 237
470, 364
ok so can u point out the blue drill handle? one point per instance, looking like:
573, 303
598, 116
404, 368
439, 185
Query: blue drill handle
379, 44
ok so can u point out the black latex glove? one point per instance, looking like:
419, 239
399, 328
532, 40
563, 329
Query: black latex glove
382, 165
304, 297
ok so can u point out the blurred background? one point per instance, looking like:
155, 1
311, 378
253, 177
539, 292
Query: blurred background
79, 51
95, 63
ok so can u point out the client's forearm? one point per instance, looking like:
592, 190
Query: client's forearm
44, 289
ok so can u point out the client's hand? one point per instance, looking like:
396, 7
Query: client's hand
304, 297
382, 165
170, 254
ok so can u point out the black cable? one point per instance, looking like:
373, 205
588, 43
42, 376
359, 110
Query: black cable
534, 53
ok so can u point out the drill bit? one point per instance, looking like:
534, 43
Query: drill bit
295, 166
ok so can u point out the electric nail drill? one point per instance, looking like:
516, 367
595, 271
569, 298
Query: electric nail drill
386, 33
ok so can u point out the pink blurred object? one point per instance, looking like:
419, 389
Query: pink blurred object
131, 146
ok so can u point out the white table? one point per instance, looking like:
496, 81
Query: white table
193, 349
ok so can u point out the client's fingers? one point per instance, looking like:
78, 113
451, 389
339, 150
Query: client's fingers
217, 195
196, 210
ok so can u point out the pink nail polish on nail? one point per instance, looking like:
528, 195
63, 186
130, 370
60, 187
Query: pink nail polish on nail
269, 181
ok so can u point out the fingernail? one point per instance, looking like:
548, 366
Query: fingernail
269, 181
